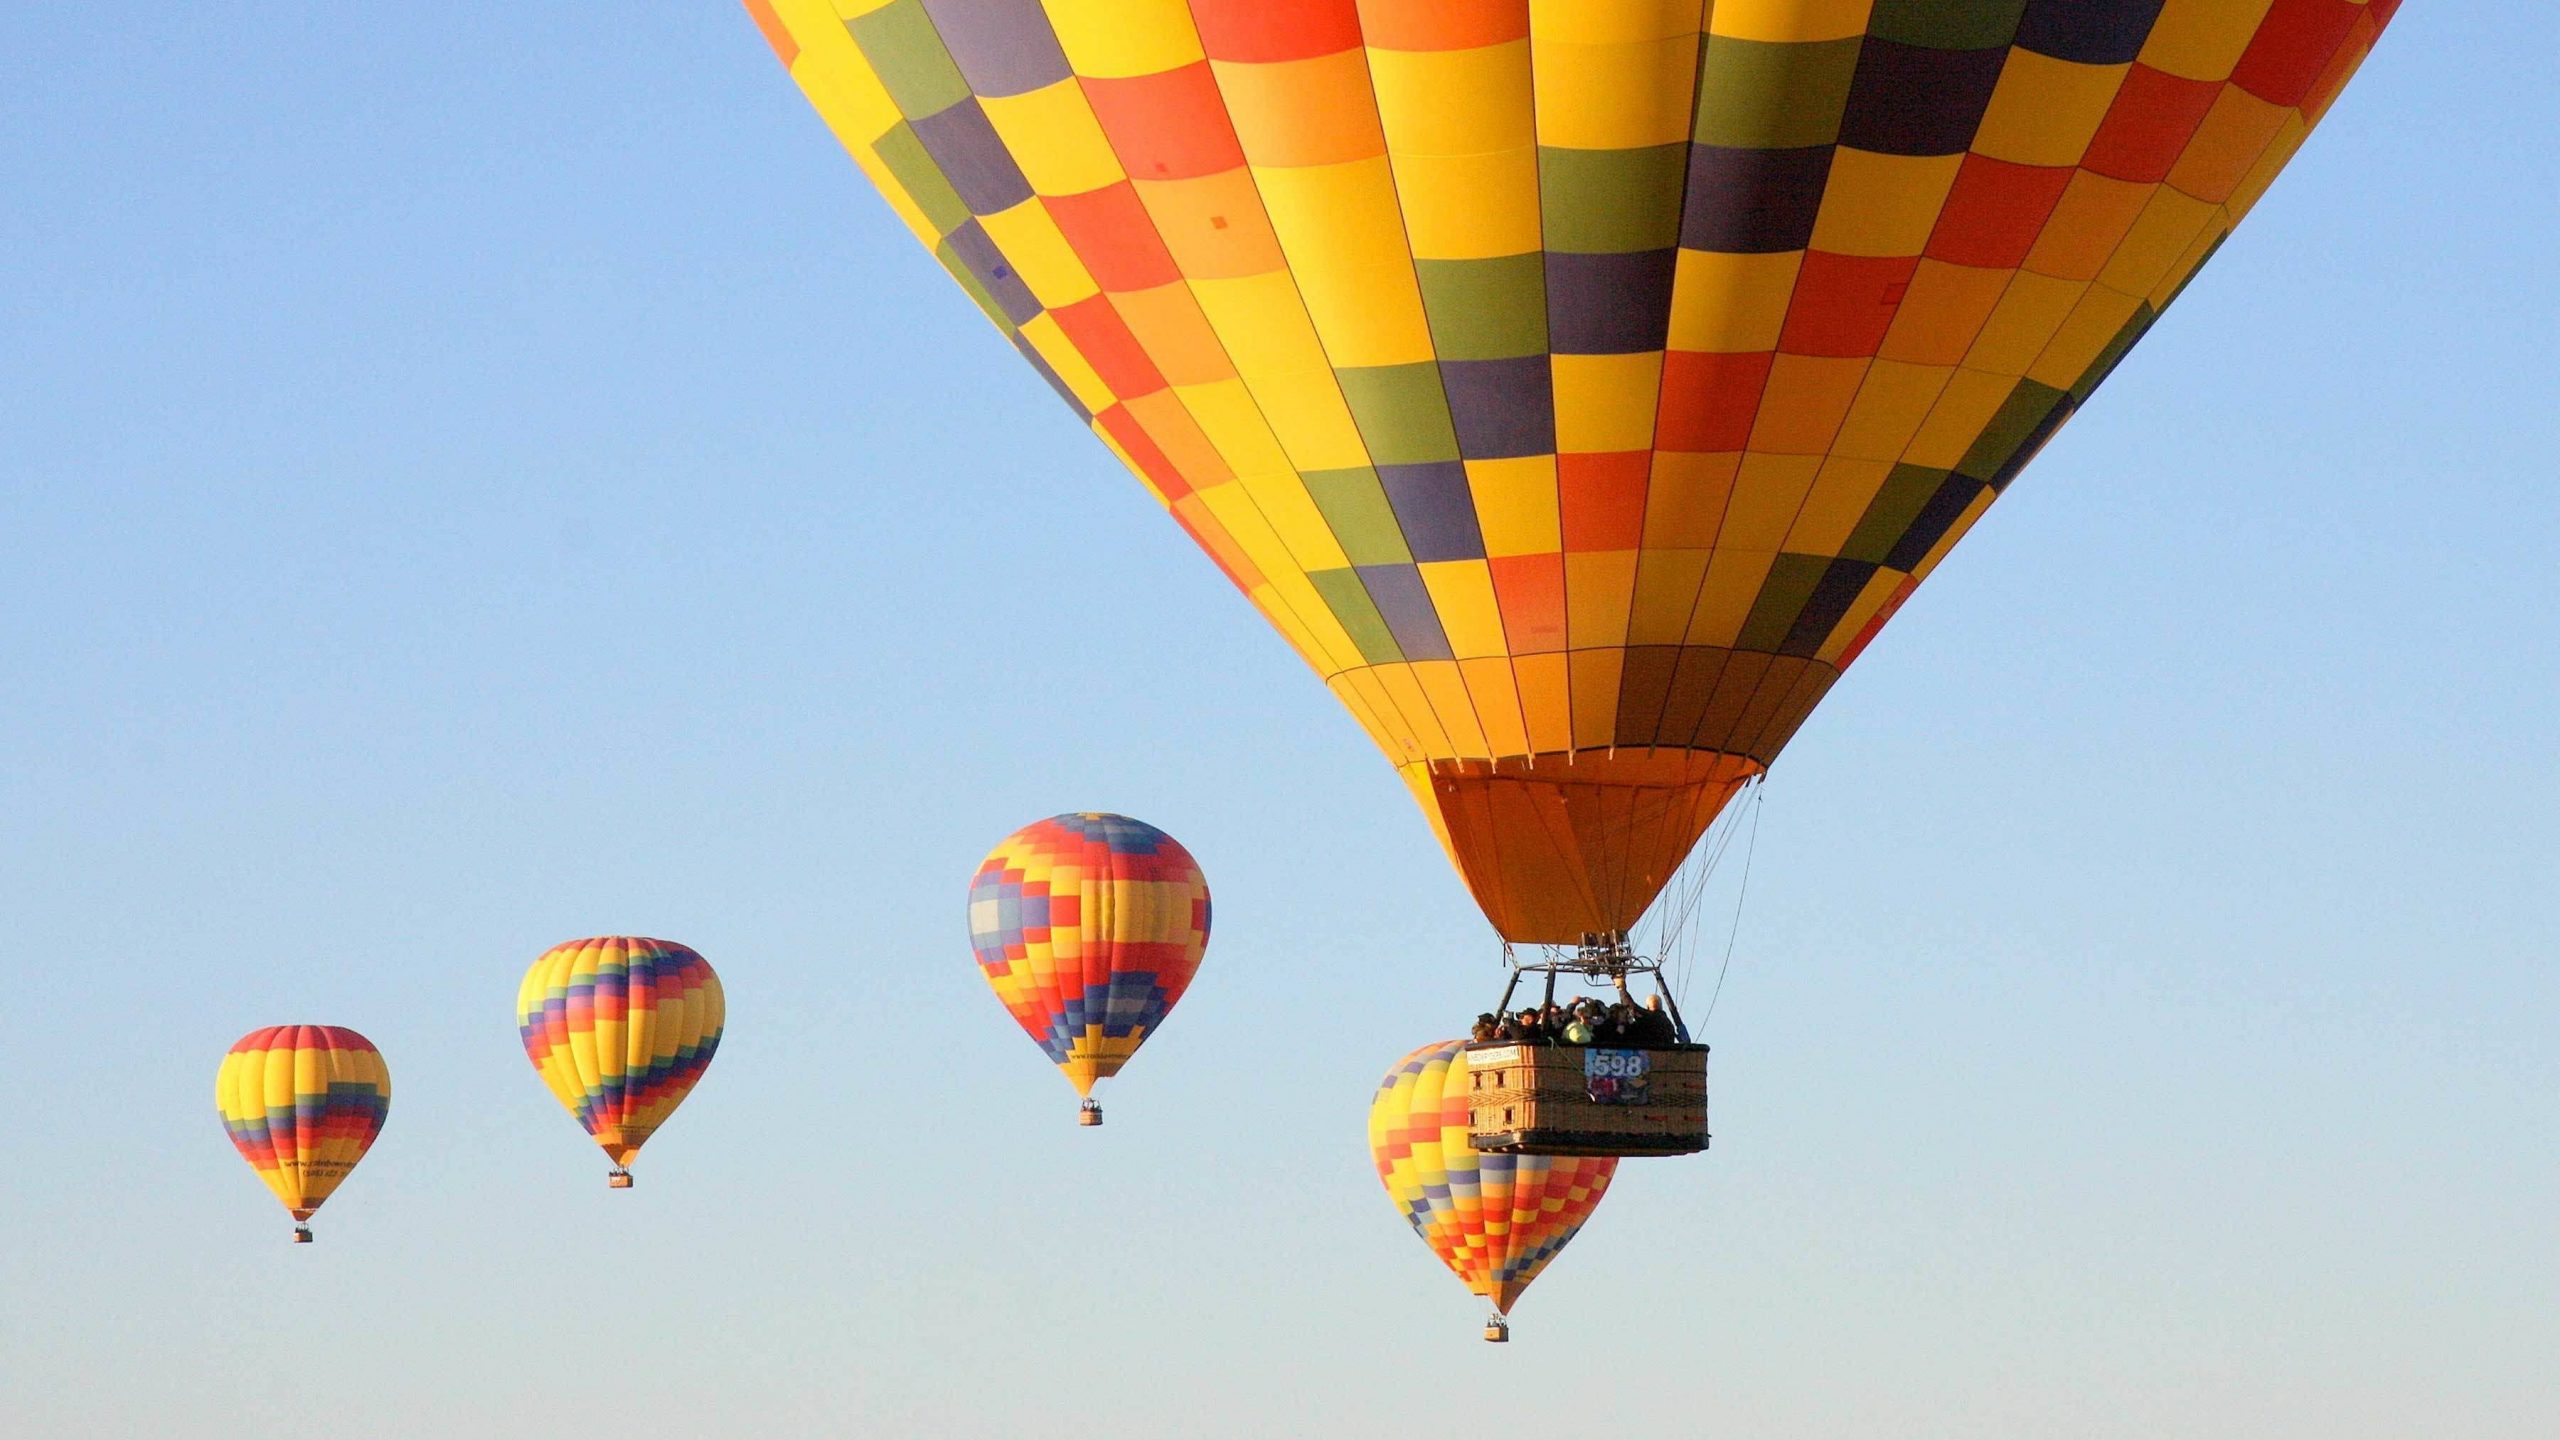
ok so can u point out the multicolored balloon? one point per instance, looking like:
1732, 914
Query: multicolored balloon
1494, 1220
302, 1104
1089, 927
1577, 385
620, 1028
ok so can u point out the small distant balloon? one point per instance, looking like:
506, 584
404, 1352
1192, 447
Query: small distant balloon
1089, 927
620, 1027
302, 1104
1494, 1220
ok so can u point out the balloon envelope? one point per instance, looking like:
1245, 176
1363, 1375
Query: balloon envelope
1578, 385
620, 1028
1494, 1220
302, 1104
1089, 927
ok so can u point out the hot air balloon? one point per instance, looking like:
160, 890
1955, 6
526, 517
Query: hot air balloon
1494, 1220
1577, 385
1089, 927
302, 1104
620, 1027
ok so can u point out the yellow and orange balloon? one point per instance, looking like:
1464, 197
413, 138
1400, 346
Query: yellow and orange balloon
620, 1028
302, 1104
1577, 385
1494, 1220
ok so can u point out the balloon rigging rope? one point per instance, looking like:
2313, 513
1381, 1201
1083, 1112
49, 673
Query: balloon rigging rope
1675, 933
1734, 933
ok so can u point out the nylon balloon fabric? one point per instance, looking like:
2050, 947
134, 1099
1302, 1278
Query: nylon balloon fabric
1089, 927
1578, 385
302, 1104
620, 1028
1494, 1220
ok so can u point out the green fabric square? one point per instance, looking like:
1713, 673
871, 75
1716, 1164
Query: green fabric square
1950, 24
1402, 412
900, 42
1349, 601
1612, 202
1355, 508
1486, 309
906, 159
1906, 489
2020, 418
1782, 598
1757, 95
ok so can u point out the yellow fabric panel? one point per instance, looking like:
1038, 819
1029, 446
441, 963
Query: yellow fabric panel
1052, 135
1496, 692
2162, 233
2185, 266
1454, 704
1617, 93
1684, 507
1228, 416
1345, 240
1462, 591
1599, 585
1595, 678
1789, 19
1273, 345
1666, 591
1167, 323
1454, 102
1606, 403
1368, 701
1470, 207
1323, 630
1114, 38
1516, 505
1404, 691
1893, 400
2044, 111
1036, 250
1882, 204
1841, 491
1293, 516
1971, 398
2202, 39
1733, 582
1731, 303
2023, 322
1766, 496
1546, 700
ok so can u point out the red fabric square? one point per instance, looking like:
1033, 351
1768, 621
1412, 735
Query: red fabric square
1152, 462
1168, 126
1111, 232
2292, 47
1530, 591
1709, 399
1103, 338
1994, 212
1266, 30
1601, 498
1844, 303
2154, 115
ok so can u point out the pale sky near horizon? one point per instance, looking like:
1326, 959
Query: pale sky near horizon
473, 476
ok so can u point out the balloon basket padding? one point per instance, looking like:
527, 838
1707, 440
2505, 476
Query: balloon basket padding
1497, 1331
1539, 1099
301, 1234
1090, 1114
618, 1180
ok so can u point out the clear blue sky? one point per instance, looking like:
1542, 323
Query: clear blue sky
472, 476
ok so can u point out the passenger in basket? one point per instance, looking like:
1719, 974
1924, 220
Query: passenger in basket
1557, 1019
1531, 1027
1484, 1028
1622, 1027
1577, 1031
1655, 1024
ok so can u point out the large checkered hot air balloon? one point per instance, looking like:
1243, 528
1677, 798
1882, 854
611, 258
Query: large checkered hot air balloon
1089, 927
1578, 385
1494, 1220
620, 1027
302, 1104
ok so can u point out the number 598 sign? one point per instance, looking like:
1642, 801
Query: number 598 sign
1616, 1077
